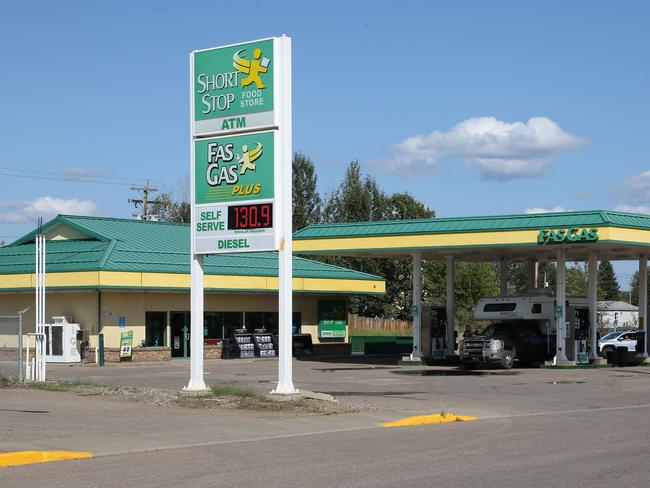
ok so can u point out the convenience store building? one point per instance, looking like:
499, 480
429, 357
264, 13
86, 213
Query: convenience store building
116, 275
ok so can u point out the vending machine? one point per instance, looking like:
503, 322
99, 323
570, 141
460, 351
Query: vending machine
61, 341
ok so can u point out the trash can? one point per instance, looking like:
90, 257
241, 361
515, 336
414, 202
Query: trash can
612, 357
640, 342
622, 357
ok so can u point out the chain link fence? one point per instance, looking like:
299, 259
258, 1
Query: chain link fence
11, 347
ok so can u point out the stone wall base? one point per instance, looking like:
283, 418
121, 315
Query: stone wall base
147, 354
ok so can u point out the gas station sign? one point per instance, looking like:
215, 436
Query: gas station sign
332, 319
126, 344
234, 193
240, 125
233, 87
572, 234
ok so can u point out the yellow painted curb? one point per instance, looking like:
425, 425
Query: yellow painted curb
438, 418
30, 457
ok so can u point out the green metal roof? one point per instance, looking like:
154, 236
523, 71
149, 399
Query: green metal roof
141, 246
595, 218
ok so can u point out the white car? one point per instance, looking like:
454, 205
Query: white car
617, 339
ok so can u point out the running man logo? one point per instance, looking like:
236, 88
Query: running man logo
222, 167
252, 67
247, 159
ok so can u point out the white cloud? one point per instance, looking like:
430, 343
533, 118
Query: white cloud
499, 150
640, 209
536, 210
637, 188
634, 194
46, 207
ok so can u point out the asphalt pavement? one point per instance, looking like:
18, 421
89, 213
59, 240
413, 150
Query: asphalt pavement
535, 428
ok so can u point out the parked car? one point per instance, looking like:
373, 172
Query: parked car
613, 340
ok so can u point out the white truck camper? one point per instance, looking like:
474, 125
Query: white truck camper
522, 330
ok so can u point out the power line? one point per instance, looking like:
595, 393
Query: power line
70, 177
67, 174
32, 177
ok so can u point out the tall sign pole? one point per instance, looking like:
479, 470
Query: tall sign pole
285, 374
240, 155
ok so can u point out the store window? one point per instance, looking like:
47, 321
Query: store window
213, 325
155, 327
270, 321
255, 320
231, 321
216, 325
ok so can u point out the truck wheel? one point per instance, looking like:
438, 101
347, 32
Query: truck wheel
507, 360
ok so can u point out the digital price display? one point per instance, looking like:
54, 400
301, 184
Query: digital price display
254, 216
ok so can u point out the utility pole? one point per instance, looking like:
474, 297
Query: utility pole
144, 201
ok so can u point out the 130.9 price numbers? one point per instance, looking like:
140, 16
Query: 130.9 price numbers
256, 216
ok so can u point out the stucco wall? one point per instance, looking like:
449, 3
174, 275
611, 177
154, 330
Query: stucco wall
85, 306
80, 305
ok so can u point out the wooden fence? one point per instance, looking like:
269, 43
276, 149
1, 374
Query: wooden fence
357, 322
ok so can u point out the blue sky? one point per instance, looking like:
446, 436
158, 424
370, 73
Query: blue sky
473, 107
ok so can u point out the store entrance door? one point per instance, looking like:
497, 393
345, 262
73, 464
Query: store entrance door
180, 329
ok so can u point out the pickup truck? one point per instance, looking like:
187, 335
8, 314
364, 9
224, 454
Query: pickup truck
504, 343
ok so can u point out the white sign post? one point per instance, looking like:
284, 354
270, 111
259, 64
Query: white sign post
240, 128
285, 269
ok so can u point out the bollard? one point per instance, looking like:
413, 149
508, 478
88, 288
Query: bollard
185, 341
101, 350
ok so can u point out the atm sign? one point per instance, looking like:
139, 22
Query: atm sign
571, 234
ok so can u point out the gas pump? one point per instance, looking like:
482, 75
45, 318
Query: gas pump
433, 332
577, 346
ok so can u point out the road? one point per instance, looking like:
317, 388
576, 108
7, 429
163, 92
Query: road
535, 428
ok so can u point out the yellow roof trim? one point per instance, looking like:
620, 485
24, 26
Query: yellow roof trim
456, 239
176, 280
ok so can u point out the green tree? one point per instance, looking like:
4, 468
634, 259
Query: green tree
307, 202
634, 289
576, 280
608, 287
359, 198
403, 206
170, 209
472, 282
517, 278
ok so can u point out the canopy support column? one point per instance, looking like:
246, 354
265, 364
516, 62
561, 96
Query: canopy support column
560, 314
533, 271
643, 301
417, 305
503, 277
451, 325
592, 284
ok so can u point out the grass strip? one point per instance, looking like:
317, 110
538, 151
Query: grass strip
234, 391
